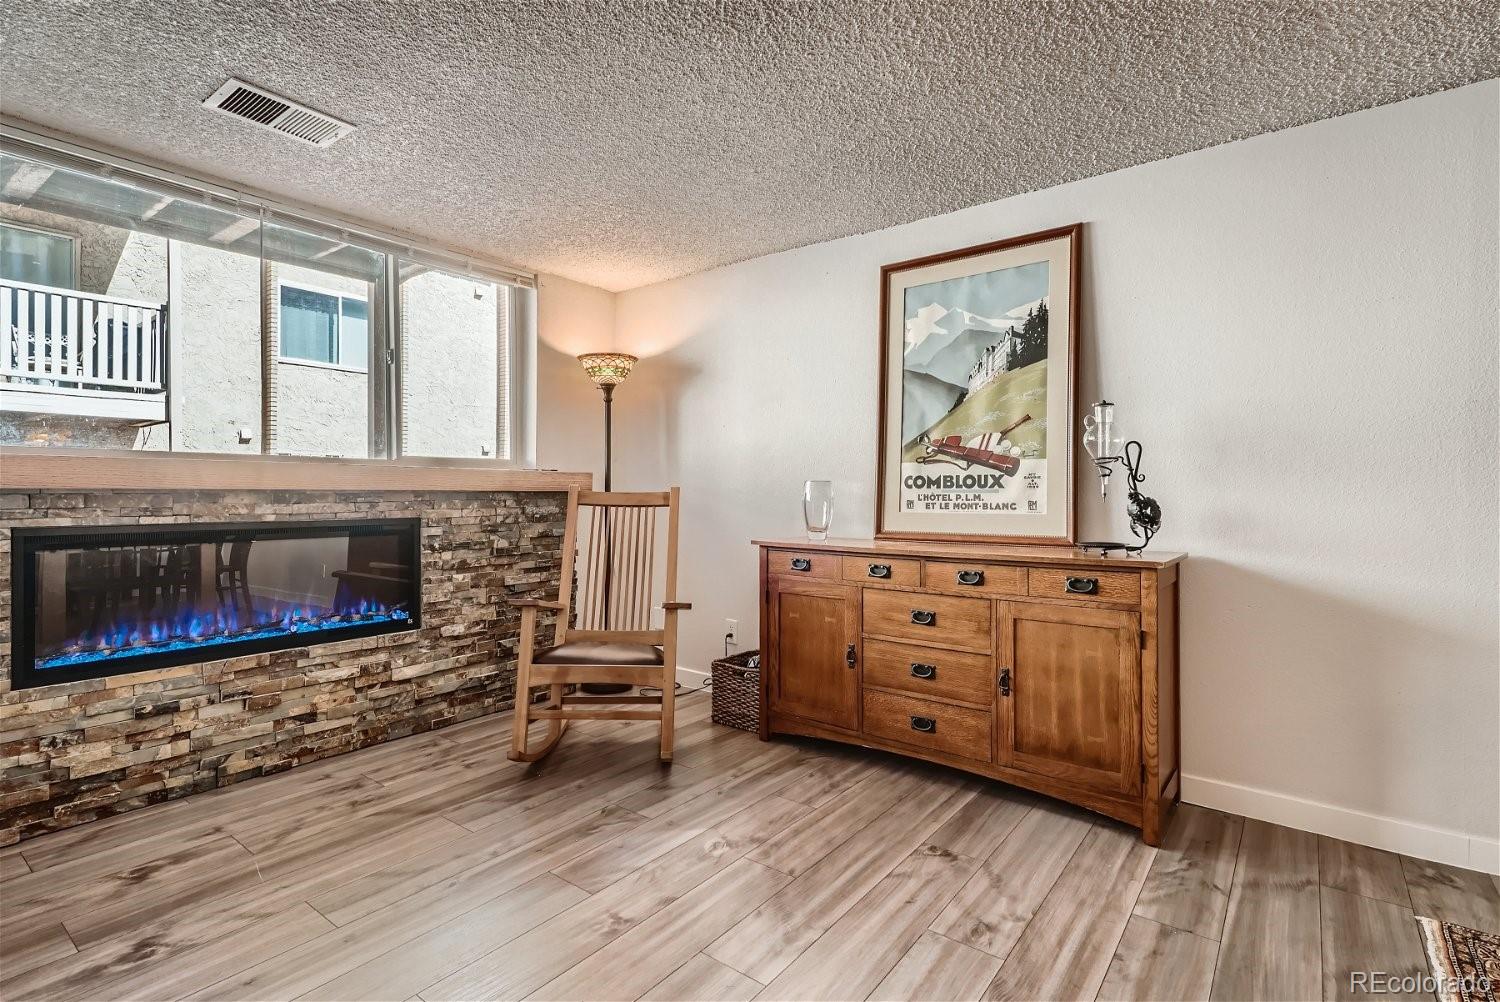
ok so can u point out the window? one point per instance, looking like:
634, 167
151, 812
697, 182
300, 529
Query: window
157, 312
38, 257
324, 326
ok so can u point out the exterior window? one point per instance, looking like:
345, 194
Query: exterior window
285, 336
324, 327
38, 257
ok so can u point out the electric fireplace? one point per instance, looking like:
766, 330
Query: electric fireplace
94, 601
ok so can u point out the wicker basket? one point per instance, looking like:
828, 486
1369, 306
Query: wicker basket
736, 692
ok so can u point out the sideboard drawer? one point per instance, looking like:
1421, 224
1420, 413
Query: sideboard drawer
797, 563
1097, 586
939, 727
883, 571
973, 579
926, 671
964, 623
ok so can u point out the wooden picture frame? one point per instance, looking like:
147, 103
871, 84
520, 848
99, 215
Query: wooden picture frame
946, 468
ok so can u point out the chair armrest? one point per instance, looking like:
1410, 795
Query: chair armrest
674, 606
533, 603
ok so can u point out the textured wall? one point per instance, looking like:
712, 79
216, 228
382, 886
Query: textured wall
215, 327
1299, 327
77, 751
449, 352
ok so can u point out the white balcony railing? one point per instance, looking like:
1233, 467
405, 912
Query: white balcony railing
64, 340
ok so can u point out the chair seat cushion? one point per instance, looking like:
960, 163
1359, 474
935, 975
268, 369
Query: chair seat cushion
588, 652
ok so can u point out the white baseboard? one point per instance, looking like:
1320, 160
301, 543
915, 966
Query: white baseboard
1440, 845
691, 678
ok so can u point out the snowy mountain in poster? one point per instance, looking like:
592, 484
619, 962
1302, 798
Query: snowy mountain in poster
953, 359
960, 331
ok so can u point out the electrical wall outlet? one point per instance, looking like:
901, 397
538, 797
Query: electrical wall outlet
732, 632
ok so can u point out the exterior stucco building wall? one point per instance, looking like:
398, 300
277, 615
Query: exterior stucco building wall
214, 327
451, 348
320, 410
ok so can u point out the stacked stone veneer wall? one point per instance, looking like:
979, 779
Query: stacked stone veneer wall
77, 751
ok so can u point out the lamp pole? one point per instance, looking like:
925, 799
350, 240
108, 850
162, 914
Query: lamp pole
609, 398
607, 370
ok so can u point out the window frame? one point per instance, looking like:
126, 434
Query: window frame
338, 337
72, 238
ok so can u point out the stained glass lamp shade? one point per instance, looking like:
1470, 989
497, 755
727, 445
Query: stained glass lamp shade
607, 368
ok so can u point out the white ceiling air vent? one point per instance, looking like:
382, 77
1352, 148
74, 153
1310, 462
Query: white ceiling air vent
259, 106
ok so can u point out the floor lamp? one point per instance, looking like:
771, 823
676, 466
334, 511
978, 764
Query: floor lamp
607, 369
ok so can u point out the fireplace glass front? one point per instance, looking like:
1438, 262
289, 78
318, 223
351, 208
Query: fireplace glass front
88, 602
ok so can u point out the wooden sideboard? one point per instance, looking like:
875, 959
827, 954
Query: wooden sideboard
1043, 667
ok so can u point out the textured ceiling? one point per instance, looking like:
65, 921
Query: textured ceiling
624, 143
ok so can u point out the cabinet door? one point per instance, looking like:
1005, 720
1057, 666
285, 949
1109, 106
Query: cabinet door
1070, 706
815, 637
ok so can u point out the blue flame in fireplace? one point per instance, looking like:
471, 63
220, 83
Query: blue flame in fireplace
199, 630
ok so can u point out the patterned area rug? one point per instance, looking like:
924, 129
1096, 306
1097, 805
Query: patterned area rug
1465, 962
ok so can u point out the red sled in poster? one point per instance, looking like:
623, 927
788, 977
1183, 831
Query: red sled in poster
985, 450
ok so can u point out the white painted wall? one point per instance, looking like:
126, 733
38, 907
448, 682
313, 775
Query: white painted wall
1300, 327
571, 319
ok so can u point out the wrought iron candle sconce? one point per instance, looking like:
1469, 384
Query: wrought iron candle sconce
1103, 442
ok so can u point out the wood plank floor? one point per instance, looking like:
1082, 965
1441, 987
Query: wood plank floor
433, 868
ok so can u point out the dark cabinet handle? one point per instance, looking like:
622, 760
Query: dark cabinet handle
849, 657
924, 724
919, 670
880, 570
971, 577
801, 564
1004, 681
1082, 586
923, 618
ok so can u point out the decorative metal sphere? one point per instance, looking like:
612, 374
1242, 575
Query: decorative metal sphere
1144, 512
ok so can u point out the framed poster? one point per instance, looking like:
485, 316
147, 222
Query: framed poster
979, 359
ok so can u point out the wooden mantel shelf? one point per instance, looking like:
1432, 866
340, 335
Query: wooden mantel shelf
23, 468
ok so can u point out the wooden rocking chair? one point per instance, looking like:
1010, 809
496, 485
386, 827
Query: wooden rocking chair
611, 639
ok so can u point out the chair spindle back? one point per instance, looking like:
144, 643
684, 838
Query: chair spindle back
625, 561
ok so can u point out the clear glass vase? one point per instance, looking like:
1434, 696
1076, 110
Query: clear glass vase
817, 508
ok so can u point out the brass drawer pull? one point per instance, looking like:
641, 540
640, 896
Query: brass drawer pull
922, 617
919, 670
880, 570
1082, 586
801, 564
971, 577
924, 724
